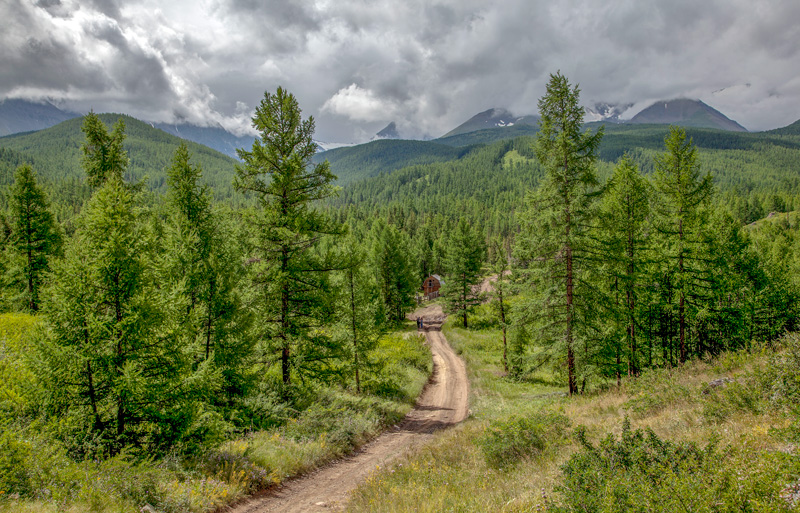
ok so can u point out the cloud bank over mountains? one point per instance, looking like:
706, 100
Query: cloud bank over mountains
429, 66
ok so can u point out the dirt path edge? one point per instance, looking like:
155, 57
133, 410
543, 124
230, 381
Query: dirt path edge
443, 403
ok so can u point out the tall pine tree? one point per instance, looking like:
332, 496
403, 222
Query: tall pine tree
624, 230
465, 254
205, 261
553, 244
289, 274
35, 234
683, 192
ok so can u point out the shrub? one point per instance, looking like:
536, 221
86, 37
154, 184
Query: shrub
781, 382
505, 443
642, 472
14, 454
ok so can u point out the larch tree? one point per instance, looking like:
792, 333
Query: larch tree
683, 191
553, 244
111, 353
290, 275
624, 229
501, 267
103, 153
35, 234
207, 266
463, 262
394, 270
358, 323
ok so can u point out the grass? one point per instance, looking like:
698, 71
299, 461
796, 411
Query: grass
754, 463
38, 476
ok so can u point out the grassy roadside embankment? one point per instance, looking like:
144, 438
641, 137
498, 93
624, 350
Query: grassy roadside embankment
37, 475
731, 447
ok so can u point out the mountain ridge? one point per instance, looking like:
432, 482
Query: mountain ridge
686, 112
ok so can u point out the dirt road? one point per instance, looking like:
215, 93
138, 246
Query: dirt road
443, 403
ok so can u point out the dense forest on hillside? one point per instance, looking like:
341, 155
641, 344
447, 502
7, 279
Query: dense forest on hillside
56, 155
219, 298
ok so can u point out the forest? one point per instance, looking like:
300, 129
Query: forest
152, 323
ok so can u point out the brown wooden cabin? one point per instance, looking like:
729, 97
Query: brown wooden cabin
431, 286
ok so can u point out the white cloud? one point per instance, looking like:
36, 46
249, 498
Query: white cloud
428, 66
359, 104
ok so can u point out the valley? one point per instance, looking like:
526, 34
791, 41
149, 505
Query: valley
187, 331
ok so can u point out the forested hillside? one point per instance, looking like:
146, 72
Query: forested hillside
182, 341
353, 163
55, 153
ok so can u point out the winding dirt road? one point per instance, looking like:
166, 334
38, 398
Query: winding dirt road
443, 403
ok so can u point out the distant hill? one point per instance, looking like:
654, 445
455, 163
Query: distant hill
492, 118
385, 155
688, 113
26, 116
55, 154
793, 129
214, 137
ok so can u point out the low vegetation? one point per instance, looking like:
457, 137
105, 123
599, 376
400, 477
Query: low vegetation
38, 473
717, 434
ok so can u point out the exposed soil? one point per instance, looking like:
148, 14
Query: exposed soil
444, 402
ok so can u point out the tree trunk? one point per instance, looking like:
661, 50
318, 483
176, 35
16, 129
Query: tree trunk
355, 332
681, 300
285, 353
503, 322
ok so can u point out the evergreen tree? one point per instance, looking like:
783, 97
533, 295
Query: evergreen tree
358, 323
103, 154
553, 243
395, 272
290, 275
111, 352
465, 254
205, 260
623, 217
500, 266
682, 194
35, 235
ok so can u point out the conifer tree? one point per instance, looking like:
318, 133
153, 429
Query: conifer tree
289, 273
623, 218
553, 243
358, 322
111, 348
465, 254
205, 261
500, 266
103, 154
35, 234
682, 194
395, 273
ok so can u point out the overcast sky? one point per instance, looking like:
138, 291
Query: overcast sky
356, 65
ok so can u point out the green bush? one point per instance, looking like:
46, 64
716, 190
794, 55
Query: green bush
505, 443
14, 454
781, 382
640, 472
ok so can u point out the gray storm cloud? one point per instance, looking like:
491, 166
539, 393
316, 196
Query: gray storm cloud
429, 66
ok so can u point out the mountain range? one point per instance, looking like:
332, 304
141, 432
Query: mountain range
485, 127
492, 118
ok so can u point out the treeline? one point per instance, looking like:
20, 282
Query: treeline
172, 323
636, 272
753, 174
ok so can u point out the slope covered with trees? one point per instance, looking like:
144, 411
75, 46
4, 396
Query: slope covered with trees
55, 154
211, 329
